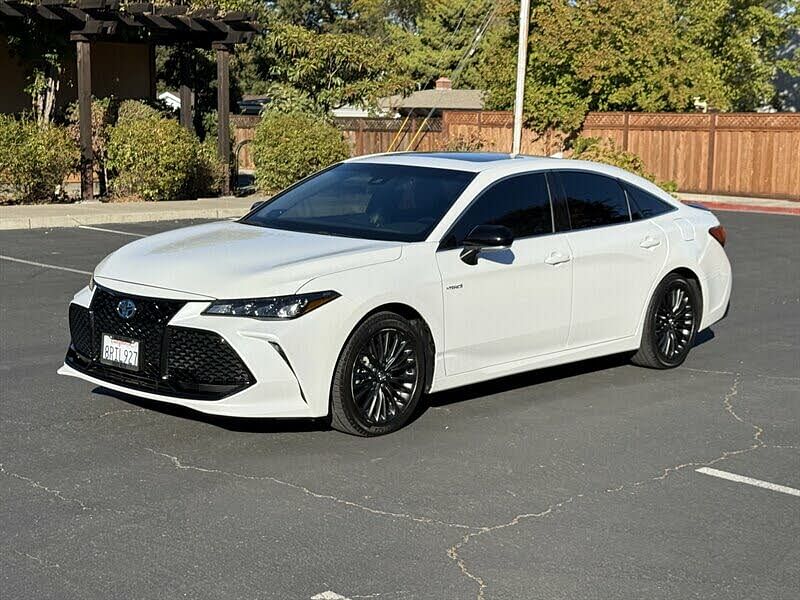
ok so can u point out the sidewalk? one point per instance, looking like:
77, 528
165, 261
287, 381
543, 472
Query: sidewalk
741, 204
95, 213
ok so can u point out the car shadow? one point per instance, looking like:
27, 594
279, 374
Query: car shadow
434, 400
238, 424
526, 379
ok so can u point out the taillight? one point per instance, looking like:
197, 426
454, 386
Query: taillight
719, 234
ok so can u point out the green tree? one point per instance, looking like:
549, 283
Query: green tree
444, 36
627, 55
325, 70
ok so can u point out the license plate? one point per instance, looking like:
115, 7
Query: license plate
120, 352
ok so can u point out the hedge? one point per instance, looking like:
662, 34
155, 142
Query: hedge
154, 158
34, 160
290, 146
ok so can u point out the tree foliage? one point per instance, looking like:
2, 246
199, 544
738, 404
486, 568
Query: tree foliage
290, 146
628, 55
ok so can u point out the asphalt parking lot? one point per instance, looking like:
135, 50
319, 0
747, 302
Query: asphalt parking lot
574, 482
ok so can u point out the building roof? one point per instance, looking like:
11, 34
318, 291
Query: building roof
444, 99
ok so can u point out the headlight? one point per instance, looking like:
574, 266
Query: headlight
278, 307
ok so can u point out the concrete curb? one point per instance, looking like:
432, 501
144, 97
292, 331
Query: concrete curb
734, 207
18, 217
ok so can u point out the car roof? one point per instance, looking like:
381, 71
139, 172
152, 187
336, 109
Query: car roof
503, 164
459, 161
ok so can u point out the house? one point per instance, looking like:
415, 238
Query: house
442, 97
171, 99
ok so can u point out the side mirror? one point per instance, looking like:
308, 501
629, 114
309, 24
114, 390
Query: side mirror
256, 205
485, 237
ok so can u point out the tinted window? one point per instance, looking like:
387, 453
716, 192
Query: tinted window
520, 203
644, 205
593, 200
383, 202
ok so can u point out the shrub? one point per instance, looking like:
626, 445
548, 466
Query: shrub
156, 159
34, 159
290, 146
604, 150
465, 143
135, 110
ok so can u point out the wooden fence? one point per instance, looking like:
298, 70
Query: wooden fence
744, 154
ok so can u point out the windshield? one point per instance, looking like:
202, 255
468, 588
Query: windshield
365, 200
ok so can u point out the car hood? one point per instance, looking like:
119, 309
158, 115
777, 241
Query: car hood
234, 260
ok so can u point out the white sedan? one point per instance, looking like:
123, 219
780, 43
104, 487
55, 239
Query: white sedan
361, 288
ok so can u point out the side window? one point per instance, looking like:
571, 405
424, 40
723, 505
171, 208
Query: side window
593, 200
644, 205
521, 203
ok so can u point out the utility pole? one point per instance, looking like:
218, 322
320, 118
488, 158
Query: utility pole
522, 60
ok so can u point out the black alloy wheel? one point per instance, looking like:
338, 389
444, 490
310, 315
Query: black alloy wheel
674, 322
671, 323
380, 376
385, 376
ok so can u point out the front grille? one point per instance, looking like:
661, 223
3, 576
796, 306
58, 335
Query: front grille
80, 330
148, 325
199, 355
175, 361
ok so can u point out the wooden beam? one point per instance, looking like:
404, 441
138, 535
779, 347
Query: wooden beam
223, 112
187, 85
10, 11
85, 117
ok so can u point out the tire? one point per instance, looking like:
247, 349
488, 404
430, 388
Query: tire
380, 376
671, 323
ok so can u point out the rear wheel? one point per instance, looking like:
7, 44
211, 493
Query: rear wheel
671, 323
379, 377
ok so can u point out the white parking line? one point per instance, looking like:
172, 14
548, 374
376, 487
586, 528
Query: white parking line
103, 229
749, 481
43, 265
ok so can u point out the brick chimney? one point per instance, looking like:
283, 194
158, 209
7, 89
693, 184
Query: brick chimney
443, 83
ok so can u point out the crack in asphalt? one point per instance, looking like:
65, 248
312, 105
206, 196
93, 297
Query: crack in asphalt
35, 484
476, 531
727, 404
176, 462
37, 559
472, 531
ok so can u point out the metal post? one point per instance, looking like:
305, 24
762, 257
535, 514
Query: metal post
223, 112
522, 60
85, 118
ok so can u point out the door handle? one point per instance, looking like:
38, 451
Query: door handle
649, 242
556, 258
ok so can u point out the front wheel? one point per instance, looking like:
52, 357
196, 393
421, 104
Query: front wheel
671, 323
379, 377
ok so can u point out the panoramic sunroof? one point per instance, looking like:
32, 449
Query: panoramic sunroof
468, 156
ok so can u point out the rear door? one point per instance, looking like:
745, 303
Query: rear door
616, 259
515, 303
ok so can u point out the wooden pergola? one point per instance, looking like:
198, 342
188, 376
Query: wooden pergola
89, 21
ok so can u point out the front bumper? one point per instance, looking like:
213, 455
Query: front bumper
272, 389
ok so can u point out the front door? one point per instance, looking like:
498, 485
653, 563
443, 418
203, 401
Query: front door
513, 304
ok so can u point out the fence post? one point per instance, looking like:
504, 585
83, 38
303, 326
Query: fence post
712, 143
360, 138
626, 120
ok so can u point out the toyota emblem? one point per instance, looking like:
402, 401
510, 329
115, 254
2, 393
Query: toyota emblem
126, 309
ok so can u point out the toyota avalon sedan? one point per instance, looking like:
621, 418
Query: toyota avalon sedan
358, 290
